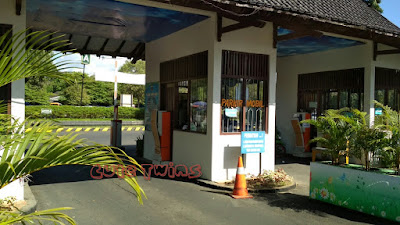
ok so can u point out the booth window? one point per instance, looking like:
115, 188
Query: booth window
321, 91
387, 87
184, 91
244, 88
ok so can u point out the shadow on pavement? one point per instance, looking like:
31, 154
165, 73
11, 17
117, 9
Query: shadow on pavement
301, 203
75, 173
288, 159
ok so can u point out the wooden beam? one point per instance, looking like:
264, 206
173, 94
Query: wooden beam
87, 42
275, 36
120, 47
236, 26
18, 7
299, 34
219, 27
104, 45
388, 52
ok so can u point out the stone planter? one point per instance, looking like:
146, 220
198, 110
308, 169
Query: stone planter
372, 193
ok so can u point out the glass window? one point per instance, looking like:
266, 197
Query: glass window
255, 106
380, 96
333, 100
391, 101
344, 99
198, 105
232, 103
355, 100
238, 94
183, 118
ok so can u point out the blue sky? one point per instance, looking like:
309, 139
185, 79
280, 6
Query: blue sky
391, 10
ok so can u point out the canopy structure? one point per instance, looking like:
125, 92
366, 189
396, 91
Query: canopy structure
107, 27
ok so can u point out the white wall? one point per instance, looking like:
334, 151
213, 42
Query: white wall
226, 148
340, 59
216, 153
8, 16
188, 148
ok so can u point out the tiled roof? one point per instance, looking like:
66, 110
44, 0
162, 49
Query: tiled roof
350, 12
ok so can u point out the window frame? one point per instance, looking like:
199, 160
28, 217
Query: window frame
184, 69
245, 66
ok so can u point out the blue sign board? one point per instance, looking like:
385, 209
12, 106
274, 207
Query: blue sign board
378, 111
231, 113
253, 142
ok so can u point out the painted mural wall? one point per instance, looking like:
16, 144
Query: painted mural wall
367, 192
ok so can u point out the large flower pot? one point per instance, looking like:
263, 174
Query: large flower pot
368, 192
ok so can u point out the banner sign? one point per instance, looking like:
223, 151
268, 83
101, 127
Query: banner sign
151, 102
253, 142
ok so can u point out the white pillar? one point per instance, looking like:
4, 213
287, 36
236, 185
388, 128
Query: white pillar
369, 91
8, 16
268, 158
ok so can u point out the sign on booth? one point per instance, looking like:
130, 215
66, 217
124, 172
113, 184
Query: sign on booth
253, 142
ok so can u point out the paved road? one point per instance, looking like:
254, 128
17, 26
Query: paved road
111, 201
129, 136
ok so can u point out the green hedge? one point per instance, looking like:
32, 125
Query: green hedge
66, 111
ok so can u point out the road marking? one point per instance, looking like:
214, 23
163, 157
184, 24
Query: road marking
87, 129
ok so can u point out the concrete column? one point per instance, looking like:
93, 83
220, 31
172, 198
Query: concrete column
268, 158
8, 16
369, 91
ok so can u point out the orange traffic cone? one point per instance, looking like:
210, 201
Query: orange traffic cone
240, 189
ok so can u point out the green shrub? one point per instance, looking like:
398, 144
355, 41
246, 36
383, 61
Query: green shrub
79, 112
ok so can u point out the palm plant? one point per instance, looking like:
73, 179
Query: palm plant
335, 133
26, 152
390, 121
365, 140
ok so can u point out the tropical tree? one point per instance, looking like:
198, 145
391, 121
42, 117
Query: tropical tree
26, 152
374, 4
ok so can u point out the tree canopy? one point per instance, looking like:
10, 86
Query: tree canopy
374, 4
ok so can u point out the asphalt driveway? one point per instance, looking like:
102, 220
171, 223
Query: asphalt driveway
111, 201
